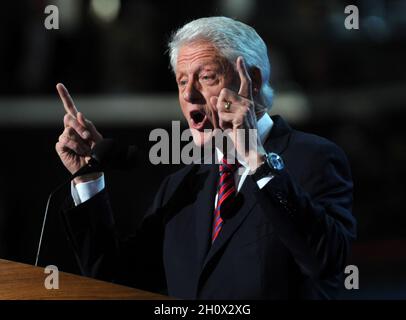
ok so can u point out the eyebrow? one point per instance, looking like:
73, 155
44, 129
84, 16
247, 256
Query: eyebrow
212, 66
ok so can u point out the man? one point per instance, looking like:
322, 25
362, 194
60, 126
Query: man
280, 228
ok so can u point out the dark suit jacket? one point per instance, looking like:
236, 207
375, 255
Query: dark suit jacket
288, 240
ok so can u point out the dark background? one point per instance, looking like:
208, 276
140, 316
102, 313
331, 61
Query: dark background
346, 85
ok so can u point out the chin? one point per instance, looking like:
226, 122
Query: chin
201, 138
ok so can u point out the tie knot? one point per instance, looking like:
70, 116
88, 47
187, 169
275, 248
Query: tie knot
225, 166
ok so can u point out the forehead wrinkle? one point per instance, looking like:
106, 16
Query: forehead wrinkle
207, 54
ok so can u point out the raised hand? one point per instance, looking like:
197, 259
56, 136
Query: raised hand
236, 115
78, 137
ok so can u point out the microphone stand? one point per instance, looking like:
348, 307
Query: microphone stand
92, 166
58, 188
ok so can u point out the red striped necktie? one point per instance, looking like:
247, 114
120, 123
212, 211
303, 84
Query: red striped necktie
226, 192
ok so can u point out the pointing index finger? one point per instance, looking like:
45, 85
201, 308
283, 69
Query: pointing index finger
245, 86
68, 103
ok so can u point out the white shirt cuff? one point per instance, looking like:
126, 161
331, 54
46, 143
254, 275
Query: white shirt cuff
86, 190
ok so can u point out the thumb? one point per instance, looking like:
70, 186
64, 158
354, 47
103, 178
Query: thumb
213, 102
95, 135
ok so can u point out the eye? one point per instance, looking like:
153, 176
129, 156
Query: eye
182, 82
208, 78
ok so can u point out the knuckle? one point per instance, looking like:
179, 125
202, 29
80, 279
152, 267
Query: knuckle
67, 118
70, 131
223, 92
65, 141
76, 127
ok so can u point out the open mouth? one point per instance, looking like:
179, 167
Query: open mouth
198, 119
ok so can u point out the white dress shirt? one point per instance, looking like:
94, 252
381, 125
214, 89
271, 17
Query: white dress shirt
82, 192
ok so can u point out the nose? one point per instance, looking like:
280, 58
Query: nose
192, 95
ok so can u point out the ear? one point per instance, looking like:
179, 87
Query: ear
256, 80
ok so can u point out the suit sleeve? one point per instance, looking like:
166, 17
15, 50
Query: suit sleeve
102, 254
313, 218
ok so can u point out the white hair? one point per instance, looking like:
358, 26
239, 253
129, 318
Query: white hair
232, 38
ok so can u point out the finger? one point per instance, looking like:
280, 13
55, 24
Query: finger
70, 146
60, 148
78, 147
81, 119
66, 100
213, 102
225, 117
226, 120
227, 97
70, 121
245, 79
214, 111
73, 135
95, 135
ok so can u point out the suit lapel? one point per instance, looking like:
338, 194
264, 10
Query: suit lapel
204, 206
277, 141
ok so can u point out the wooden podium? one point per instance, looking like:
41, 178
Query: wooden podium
25, 282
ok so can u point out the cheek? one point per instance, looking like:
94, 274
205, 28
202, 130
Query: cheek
216, 89
183, 106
